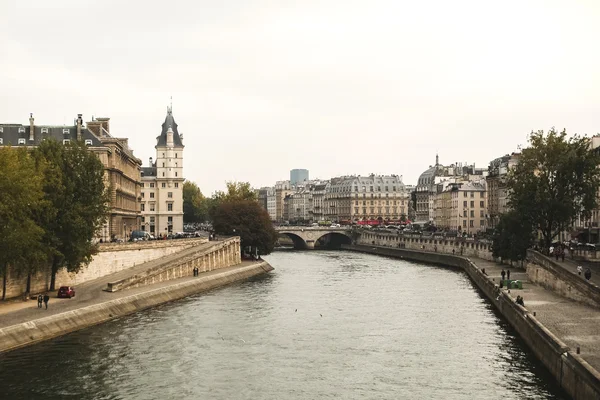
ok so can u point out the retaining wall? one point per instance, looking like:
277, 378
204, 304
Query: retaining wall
111, 258
461, 246
574, 375
28, 333
551, 275
222, 254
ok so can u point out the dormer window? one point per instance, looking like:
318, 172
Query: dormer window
21, 140
44, 130
21, 130
1, 141
66, 141
1, 129
88, 142
66, 132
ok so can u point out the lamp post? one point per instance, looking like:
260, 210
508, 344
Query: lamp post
124, 231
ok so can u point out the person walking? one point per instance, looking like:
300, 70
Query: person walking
40, 299
562, 254
46, 300
507, 274
588, 274
503, 274
579, 270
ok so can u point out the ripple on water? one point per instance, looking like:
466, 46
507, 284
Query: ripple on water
322, 325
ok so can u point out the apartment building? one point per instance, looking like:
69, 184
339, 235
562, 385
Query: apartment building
121, 167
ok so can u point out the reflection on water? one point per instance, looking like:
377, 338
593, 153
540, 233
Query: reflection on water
322, 325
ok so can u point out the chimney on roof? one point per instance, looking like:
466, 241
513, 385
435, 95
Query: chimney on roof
31, 127
151, 161
79, 124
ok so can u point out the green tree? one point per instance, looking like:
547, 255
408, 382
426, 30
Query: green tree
236, 191
247, 219
555, 180
512, 237
20, 195
195, 205
74, 185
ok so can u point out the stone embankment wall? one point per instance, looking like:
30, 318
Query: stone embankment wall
573, 373
111, 258
221, 254
551, 275
46, 328
466, 246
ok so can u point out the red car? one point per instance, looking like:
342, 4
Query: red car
66, 291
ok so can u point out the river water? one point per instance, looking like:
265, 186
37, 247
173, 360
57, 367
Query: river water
323, 325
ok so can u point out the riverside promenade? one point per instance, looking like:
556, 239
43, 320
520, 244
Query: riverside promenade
22, 323
563, 334
576, 324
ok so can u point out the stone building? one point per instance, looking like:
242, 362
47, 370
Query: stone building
282, 189
121, 167
366, 198
461, 206
496, 186
427, 189
161, 201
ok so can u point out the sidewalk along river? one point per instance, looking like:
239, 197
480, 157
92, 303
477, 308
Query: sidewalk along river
322, 325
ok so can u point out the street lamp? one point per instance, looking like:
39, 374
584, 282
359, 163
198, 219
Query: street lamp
124, 231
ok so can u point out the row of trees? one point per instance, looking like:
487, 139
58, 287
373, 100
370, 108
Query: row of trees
555, 181
233, 212
52, 203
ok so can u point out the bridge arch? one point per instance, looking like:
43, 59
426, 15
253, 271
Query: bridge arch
299, 242
310, 237
333, 240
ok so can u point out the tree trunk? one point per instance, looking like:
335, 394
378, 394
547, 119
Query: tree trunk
28, 289
53, 273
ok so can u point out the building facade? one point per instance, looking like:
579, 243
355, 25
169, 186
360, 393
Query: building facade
427, 186
121, 167
370, 198
496, 186
161, 202
461, 206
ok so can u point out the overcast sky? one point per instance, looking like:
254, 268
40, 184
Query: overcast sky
337, 87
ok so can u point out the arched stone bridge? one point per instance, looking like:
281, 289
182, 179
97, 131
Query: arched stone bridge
306, 237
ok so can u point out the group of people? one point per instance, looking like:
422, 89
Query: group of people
43, 299
587, 274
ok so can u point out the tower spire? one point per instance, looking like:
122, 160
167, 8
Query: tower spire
437, 159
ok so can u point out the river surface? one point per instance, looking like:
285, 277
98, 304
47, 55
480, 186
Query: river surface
323, 325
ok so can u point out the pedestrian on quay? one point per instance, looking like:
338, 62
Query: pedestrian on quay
40, 299
562, 254
579, 270
588, 274
507, 274
503, 274
46, 300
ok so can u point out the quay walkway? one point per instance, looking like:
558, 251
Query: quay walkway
576, 324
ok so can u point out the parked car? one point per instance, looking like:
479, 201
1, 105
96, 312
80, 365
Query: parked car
139, 235
66, 292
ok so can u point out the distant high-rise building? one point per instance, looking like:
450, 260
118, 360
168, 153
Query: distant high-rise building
298, 176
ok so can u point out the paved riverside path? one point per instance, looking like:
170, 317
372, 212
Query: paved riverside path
571, 266
91, 292
574, 323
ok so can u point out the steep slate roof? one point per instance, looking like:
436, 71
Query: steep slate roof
149, 171
11, 133
169, 122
